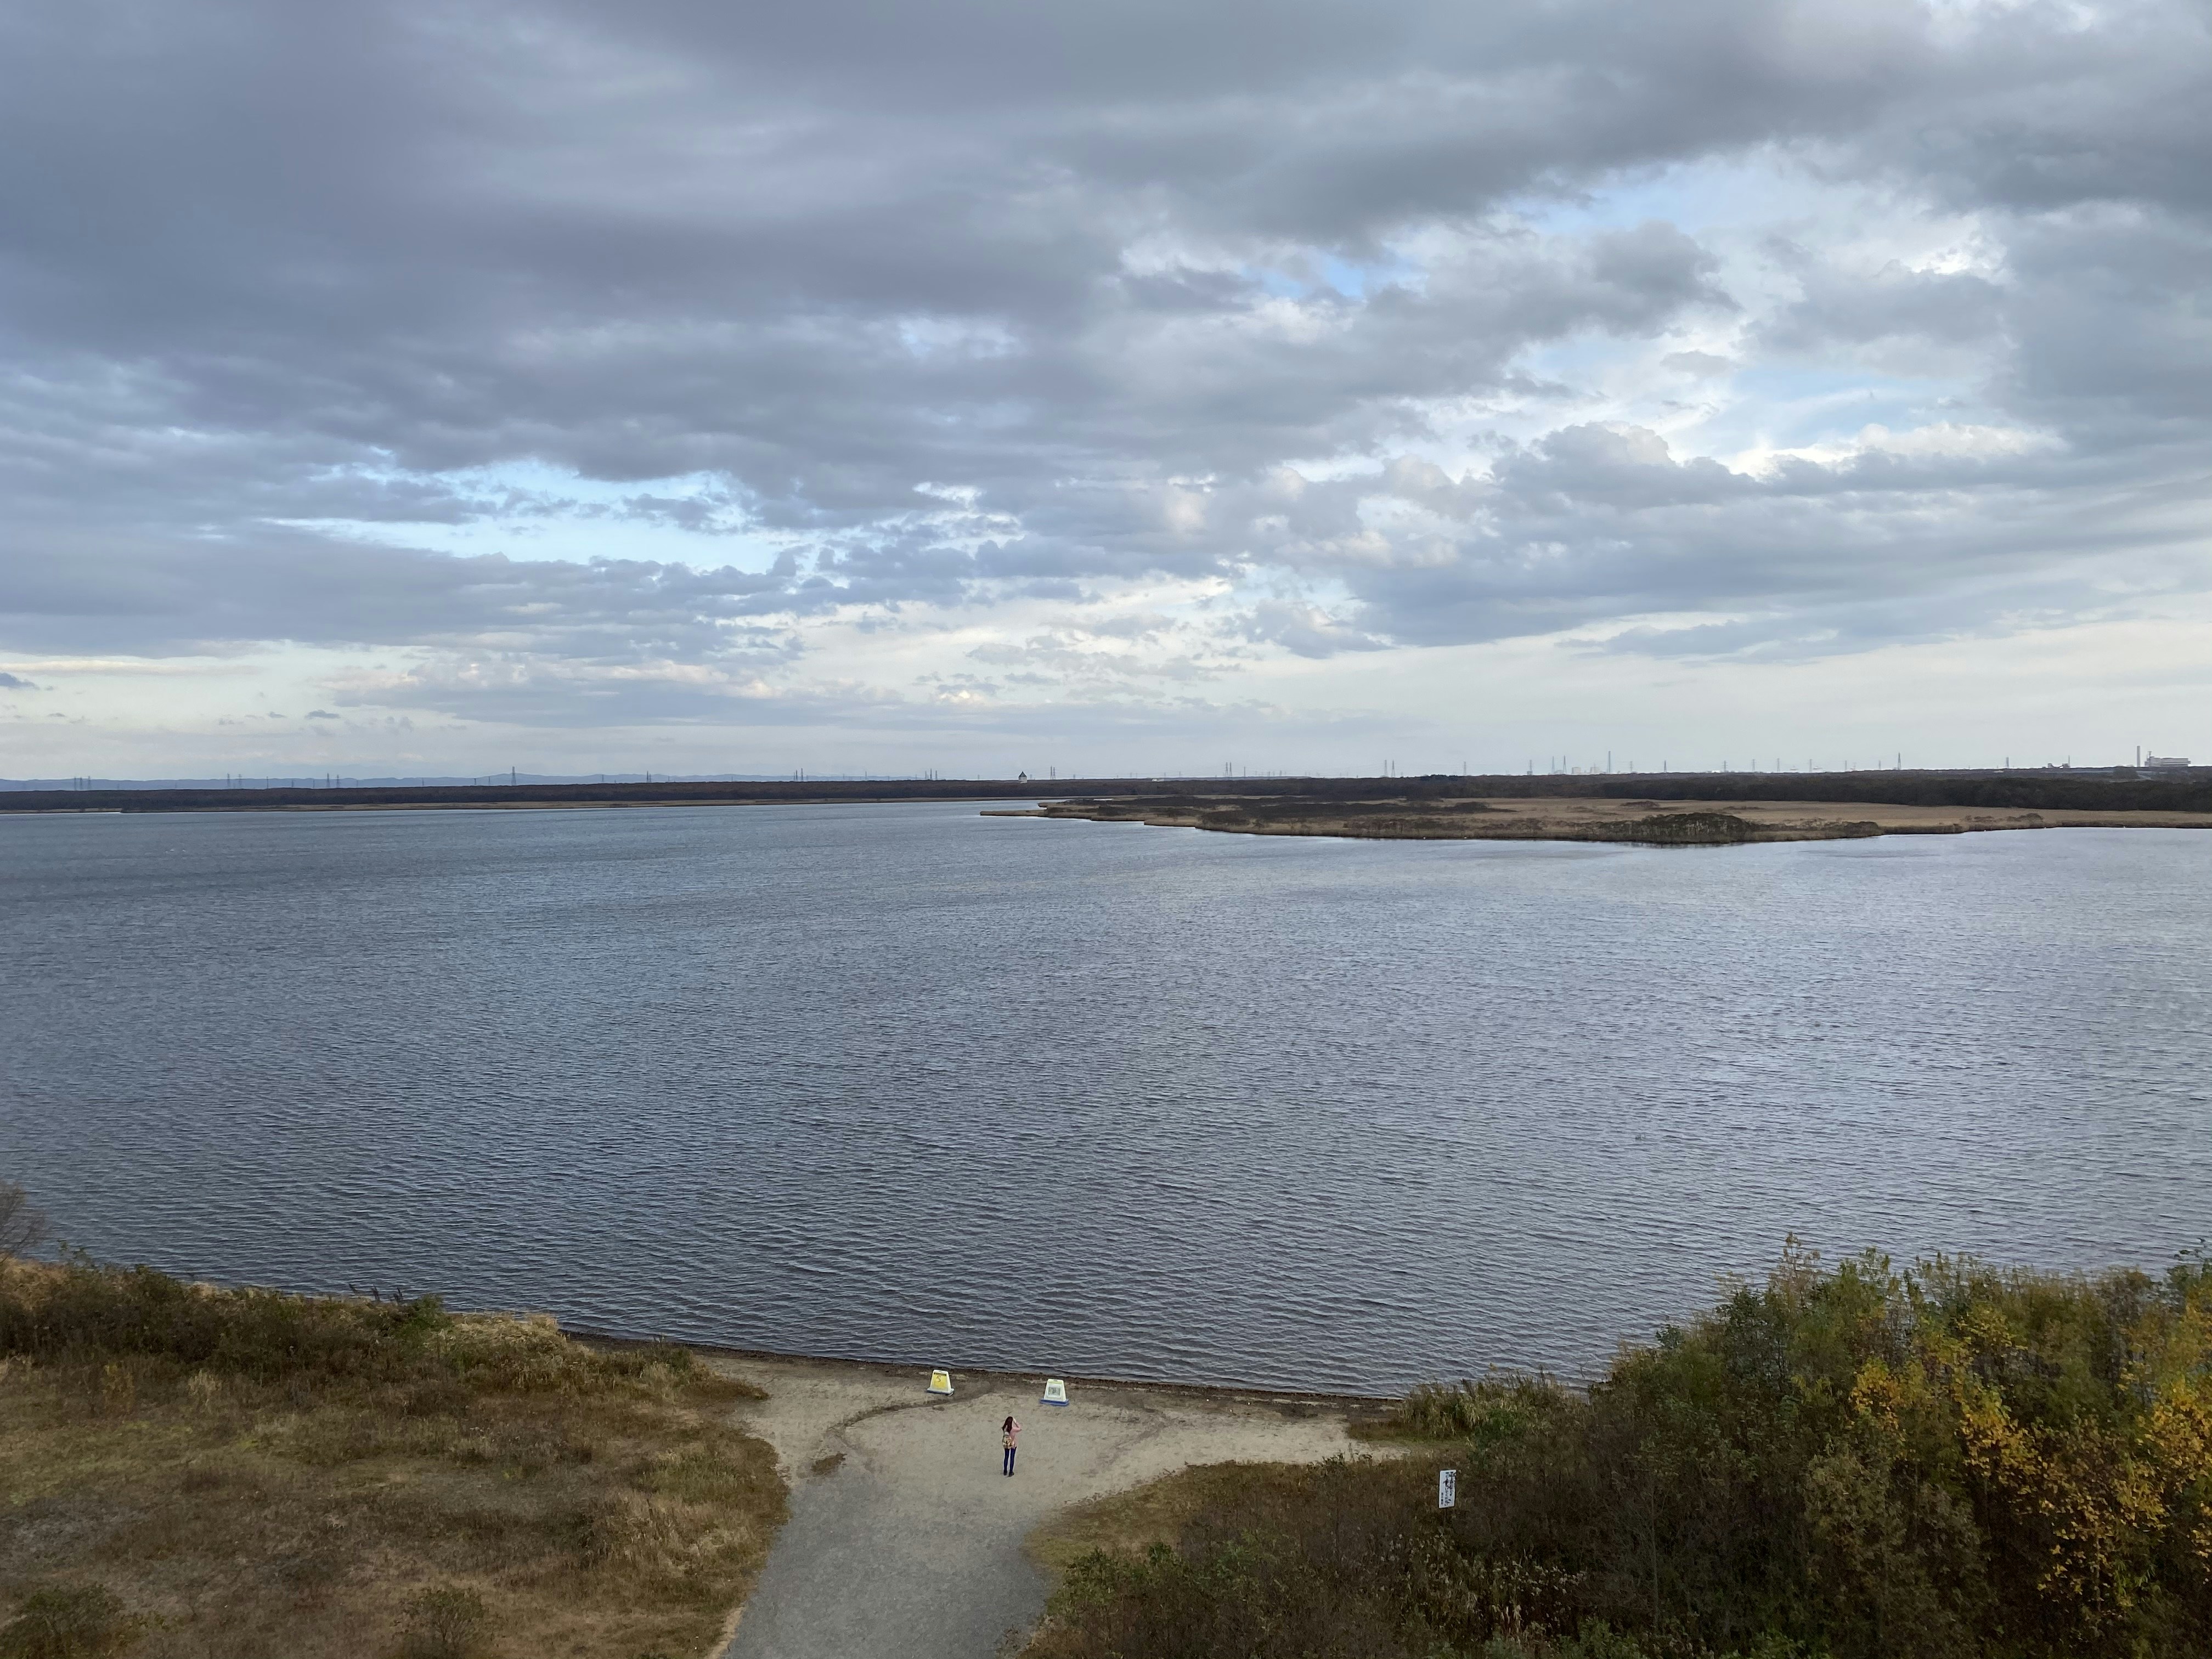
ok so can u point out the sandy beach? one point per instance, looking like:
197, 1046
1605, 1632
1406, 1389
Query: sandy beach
905, 1540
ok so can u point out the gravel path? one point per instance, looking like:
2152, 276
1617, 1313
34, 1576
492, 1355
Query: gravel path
905, 1541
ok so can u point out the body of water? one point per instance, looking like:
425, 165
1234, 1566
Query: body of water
907, 1083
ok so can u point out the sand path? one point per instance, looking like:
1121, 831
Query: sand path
905, 1540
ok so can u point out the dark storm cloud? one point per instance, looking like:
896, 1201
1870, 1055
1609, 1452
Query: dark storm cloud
975, 303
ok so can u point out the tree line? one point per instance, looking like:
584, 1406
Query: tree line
1951, 1461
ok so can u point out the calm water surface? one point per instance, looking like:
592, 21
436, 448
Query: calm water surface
907, 1083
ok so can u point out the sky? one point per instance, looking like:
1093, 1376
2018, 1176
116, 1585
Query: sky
989, 386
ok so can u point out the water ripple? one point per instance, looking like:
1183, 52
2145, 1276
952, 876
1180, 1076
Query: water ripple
905, 1083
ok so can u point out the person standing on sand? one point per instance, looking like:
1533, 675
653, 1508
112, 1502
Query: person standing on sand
1008, 1434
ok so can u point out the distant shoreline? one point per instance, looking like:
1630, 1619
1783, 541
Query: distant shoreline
2119, 796
1649, 823
482, 807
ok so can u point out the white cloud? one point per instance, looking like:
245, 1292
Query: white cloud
822, 370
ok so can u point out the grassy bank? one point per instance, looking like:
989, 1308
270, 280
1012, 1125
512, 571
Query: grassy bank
1950, 1463
223, 1474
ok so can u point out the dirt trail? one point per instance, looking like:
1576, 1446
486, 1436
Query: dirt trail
905, 1540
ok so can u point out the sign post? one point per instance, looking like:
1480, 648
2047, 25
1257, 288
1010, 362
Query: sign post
1447, 1488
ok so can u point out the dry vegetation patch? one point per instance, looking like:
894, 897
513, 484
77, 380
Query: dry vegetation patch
222, 1474
1159, 1513
1430, 813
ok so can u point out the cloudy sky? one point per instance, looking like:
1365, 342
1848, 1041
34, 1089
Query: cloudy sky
1121, 385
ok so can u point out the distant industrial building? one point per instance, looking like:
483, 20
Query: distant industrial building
2167, 763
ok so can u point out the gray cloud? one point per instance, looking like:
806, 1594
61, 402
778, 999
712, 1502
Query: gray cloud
1596, 524
985, 305
1893, 303
139, 591
1305, 630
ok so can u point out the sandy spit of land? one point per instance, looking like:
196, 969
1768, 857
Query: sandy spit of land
905, 1541
1552, 818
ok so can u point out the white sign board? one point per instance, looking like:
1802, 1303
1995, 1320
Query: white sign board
1447, 1488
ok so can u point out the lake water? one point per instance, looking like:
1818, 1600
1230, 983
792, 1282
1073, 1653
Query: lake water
911, 1084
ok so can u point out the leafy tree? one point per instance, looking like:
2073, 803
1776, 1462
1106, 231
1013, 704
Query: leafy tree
1954, 1462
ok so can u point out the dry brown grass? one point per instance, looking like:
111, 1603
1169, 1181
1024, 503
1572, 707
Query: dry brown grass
532, 1497
1159, 1513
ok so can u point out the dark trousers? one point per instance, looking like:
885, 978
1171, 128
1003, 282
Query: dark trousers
1010, 1460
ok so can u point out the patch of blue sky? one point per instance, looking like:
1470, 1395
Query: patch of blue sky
1590, 365
1762, 187
1324, 273
537, 485
1798, 408
1362, 279
531, 509
1588, 377
1754, 405
575, 541
936, 336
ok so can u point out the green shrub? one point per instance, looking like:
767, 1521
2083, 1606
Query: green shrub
1951, 1462
1494, 1409
80, 1310
81, 1313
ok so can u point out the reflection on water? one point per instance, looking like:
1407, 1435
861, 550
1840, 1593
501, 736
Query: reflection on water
907, 1083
